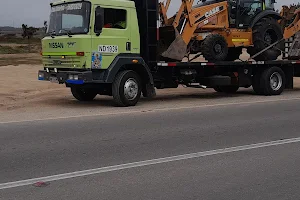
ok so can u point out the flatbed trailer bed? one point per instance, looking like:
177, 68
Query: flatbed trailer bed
229, 76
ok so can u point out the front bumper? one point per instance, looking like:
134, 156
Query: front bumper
69, 77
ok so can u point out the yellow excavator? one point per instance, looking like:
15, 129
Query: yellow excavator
220, 29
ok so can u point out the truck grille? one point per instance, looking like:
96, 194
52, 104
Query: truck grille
60, 62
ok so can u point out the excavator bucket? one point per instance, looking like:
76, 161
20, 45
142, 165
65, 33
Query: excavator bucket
172, 46
294, 51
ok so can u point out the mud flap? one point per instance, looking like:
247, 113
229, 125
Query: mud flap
294, 51
177, 49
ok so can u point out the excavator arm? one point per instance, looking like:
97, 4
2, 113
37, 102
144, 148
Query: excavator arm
290, 24
290, 21
187, 20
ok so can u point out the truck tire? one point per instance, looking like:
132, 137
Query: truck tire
126, 88
268, 30
214, 48
256, 83
272, 81
230, 89
234, 53
83, 94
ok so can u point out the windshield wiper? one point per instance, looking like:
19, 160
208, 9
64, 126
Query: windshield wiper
52, 33
69, 33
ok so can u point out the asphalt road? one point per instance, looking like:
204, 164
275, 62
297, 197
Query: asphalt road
55, 147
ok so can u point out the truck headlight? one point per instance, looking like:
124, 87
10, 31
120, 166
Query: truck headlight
41, 75
71, 77
75, 77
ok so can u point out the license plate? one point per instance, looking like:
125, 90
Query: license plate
53, 80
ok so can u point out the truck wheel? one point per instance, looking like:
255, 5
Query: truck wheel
234, 53
217, 89
126, 88
83, 94
256, 83
273, 81
214, 48
230, 89
266, 32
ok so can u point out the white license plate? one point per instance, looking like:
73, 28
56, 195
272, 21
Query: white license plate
108, 48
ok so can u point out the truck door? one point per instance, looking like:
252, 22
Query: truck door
114, 37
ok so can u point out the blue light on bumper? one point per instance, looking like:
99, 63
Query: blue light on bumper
41, 79
77, 82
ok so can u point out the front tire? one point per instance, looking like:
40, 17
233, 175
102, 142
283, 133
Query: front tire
83, 94
214, 48
126, 88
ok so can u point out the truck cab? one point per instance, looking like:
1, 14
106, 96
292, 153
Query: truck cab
90, 45
89, 34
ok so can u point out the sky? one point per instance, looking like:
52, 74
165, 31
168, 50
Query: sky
34, 12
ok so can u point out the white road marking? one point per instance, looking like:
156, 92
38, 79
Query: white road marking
145, 163
149, 110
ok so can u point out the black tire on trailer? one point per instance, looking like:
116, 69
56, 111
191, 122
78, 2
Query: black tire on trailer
230, 89
214, 48
83, 94
126, 88
268, 30
234, 53
273, 81
256, 83
217, 89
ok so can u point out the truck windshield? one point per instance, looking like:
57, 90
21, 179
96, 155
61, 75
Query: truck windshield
69, 18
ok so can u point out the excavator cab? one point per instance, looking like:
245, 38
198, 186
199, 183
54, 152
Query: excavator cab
243, 12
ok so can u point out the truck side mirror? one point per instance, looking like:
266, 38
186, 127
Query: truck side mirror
99, 21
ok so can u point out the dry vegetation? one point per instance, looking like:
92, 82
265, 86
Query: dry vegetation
15, 50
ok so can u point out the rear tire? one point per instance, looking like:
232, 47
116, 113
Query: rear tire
273, 81
83, 94
230, 89
214, 48
268, 30
126, 89
256, 83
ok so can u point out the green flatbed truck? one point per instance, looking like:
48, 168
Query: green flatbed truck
112, 48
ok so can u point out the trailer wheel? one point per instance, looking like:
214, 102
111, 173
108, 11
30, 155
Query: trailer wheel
273, 81
83, 94
256, 83
214, 48
217, 89
230, 89
126, 88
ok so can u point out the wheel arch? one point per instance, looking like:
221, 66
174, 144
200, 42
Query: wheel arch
263, 14
125, 62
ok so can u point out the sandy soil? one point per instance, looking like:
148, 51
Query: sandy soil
18, 59
20, 87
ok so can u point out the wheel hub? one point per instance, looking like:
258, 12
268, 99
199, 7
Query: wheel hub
131, 89
275, 81
270, 37
218, 48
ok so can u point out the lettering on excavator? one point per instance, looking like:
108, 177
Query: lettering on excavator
212, 11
